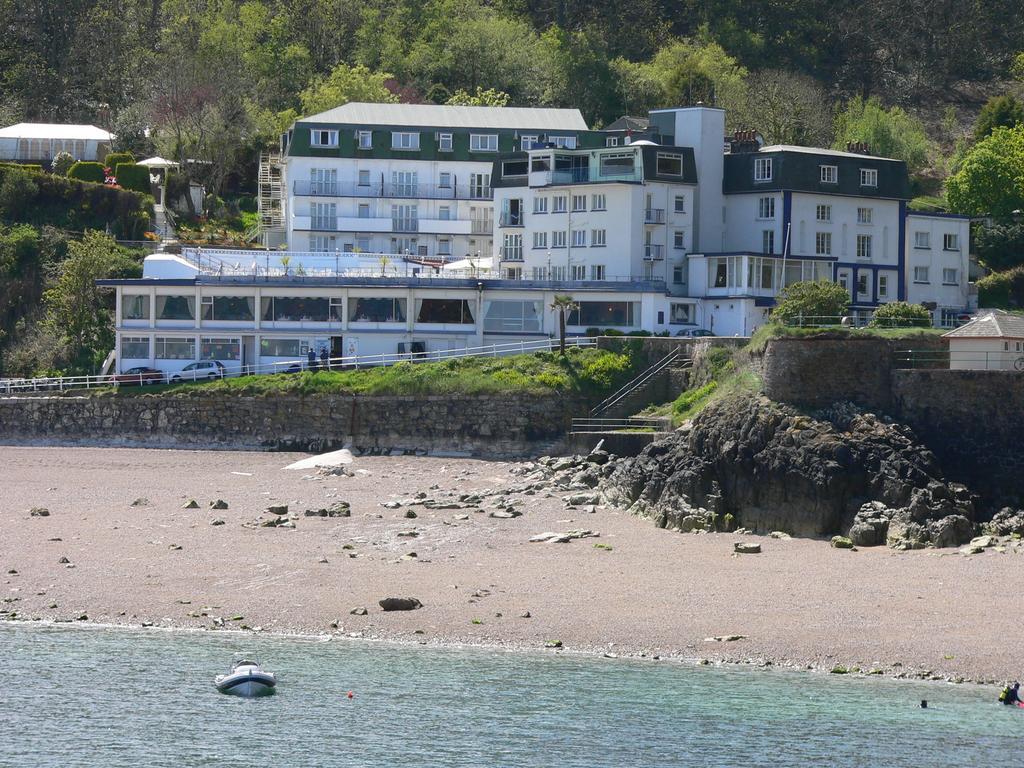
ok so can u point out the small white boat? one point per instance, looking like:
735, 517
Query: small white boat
246, 678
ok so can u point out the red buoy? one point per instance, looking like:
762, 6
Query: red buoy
351, 695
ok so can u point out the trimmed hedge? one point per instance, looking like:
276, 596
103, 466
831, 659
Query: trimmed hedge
30, 167
133, 177
114, 159
86, 171
46, 199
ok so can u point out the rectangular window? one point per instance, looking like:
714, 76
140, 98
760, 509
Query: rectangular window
679, 205
456, 311
295, 309
863, 246
950, 318
540, 164
512, 249
678, 275
579, 238
135, 307
364, 178
365, 139
597, 238
920, 274
337, 308
617, 164
768, 241
766, 208
323, 243
480, 186
405, 140
364, 210
290, 348
444, 142
829, 174
579, 203
483, 142
563, 142
599, 314
949, 276
950, 242
578, 272
883, 286
444, 213
922, 240
363, 309
362, 243
444, 180
175, 349
323, 138
540, 205
514, 168
444, 247
236, 308
511, 316
597, 202
219, 349
680, 314
823, 243
611, 141
175, 307
540, 239
558, 239
134, 348
762, 169
526, 141
863, 215
558, 204
669, 165
868, 177
823, 212
862, 283
597, 272
679, 239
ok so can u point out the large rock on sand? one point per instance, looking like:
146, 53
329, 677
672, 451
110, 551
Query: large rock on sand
400, 604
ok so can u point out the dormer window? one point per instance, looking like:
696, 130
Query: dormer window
444, 142
762, 169
405, 140
526, 142
365, 139
563, 142
483, 142
868, 177
829, 174
319, 137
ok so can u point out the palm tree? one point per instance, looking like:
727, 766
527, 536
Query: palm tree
563, 304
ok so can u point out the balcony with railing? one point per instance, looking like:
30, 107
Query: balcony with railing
308, 188
405, 225
654, 216
654, 252
481, 226
583, 176
511, 252
510, 219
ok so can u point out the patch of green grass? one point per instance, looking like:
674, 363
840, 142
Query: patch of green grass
776, 330
588, 372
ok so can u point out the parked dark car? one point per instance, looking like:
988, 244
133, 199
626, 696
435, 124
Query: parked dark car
140, 375
204, 369
694, 333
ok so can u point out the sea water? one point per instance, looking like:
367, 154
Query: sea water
92, 697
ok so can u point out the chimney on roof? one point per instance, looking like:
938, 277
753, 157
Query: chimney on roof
743, 140
858, 147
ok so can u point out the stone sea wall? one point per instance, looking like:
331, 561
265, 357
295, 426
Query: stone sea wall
492, 425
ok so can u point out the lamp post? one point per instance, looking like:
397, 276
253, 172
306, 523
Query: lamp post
548, 273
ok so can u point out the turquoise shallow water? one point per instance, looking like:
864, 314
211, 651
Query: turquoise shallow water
77, 697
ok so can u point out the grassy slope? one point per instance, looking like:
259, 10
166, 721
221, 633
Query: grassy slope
589, 372
772, 331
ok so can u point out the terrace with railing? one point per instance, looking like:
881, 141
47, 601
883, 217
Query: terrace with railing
419, 191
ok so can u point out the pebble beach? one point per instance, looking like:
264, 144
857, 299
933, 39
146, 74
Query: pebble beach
109, 536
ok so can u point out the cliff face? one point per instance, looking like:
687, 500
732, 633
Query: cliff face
748, 461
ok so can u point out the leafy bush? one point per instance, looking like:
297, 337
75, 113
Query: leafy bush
114, 159
691, 400
247, 204
812, 302
1001, 245
86, 171
62, 163
900, 314
29, 167
1002, 290
133, 177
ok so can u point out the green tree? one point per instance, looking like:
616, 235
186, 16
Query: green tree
691, 71
62, 163
990, 181
345, 84
1002, 290
900, 314
563, 305
812, 303
482, 98
788, 108
1000, 245
999, 111
889, 133
77, 308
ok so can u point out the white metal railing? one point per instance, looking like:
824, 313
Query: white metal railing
631, 424
229, 369
961, 360
859, 320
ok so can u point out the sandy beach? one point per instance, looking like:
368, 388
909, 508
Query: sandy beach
118, 547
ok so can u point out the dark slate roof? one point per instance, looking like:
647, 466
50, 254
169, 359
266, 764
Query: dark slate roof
627, 123
796, 169
992, 324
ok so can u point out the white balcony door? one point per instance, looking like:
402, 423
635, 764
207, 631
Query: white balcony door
323, 181
404, 183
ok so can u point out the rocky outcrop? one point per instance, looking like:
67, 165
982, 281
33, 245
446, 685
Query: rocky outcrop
751, 462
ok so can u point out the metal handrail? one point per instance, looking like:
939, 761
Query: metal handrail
67, 383
656, 424
638, 381
1009, 360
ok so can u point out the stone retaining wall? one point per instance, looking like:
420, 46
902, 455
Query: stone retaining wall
482, 425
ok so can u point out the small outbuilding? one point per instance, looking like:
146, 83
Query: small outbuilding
41, 142
992, 341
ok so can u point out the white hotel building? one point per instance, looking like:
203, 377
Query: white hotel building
419, 227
